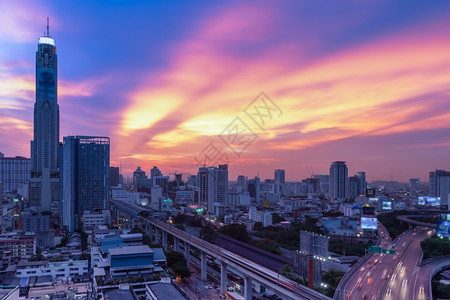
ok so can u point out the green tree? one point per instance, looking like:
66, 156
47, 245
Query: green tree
208, 234
236, 231
276, 218
258, 226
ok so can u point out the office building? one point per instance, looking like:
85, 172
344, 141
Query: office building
361, 176
14, 172
324, 183
114, 176
155, 172
140, 179
162, 182
338, 180
44, 181
34, 222
254, 189
213, 186
440, 186
85, 178
279, 178
57, 270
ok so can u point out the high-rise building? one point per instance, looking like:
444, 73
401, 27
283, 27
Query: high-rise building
414, 183
139, 177
14, 172
254, 189
279, 178
213, 186
114, 176
84, 178
440, 185
362, 182
241, 184
155, 172
44, 182
353, 186
222, 184
357, 184
324, 183
338, 180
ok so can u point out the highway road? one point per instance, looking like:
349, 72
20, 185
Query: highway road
421, 278
354, 287
400, 284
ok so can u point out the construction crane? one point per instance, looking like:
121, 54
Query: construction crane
310, 170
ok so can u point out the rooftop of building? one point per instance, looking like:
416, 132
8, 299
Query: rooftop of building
131, 250
158, 254
120, 294
166, 291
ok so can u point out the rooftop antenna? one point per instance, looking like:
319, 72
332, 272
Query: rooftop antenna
48, 27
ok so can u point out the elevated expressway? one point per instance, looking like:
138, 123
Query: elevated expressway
283, 287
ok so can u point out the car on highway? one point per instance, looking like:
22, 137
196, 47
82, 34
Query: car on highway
403, 270
362, 269
359, 280
421, 289
359, 286
389, 291
393, 277
405, 282
369, 281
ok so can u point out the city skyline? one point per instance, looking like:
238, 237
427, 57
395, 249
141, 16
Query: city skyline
162, 103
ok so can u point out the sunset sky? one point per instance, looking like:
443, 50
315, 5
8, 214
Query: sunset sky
367, 82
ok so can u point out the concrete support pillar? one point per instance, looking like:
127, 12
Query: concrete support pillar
176, 244
157, 235
223, 278
164, 240
203, 267
247, 288
150, 232
132, 223
187, 254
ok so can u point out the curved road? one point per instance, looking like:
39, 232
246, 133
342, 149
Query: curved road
421, 279
353, 286
401, 284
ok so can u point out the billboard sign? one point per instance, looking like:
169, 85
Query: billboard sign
445, 217
443, 228
429, 201
387, 205
340, 226
369, 223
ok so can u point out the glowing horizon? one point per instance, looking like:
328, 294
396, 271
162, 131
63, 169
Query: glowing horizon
368, 86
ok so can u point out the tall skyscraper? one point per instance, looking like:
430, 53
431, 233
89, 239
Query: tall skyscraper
279, 177
254, 188
213, 186
114, 176
362, 182
338, 180
44, 182
440, 186
85, 177
357, 184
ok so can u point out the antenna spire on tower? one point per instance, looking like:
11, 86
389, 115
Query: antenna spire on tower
48, 27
